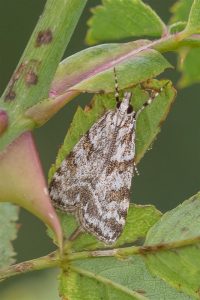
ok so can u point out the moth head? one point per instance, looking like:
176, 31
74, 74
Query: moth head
125, 106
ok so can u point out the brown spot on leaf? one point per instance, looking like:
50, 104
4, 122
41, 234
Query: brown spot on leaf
141, 292
198, 291
16, 74
52, 255
10, 96
31, 78
101, 92
25, 266
44, 37
18, 226
148, 249
184, 229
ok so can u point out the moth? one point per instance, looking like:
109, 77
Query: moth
94, 180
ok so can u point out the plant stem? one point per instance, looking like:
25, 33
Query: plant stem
49, 261
174, 42
128, 251
54, 259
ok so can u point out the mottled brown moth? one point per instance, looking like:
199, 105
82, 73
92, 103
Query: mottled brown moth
94, 180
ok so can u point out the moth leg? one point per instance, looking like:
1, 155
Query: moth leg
153, 94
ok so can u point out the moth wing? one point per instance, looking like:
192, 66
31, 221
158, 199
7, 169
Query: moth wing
63, 188
104, 208
79, 166
104, 205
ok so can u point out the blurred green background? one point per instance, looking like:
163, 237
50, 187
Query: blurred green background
168, 173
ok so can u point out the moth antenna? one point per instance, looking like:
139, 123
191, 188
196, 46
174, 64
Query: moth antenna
148, 102
116, 86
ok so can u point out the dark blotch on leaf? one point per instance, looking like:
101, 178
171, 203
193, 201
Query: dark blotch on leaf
10, 96
198, 292
148, 249
101, 92
44, 37
184, 229
141, 292
52, 255
23, 267
31, 78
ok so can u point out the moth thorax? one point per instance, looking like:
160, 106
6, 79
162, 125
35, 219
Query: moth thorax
125, 102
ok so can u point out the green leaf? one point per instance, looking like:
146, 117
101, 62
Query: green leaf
91, 70
177, 27
89, 286
149, 122
111, 278
181, 10
193, 25
180, 267
116, 19
8, 232
139, 220
190, 66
